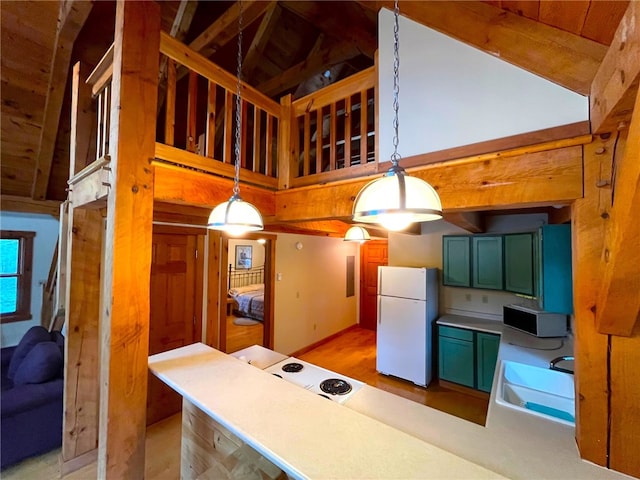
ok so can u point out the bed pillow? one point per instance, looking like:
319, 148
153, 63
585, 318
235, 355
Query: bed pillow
34, 335
42, 363
255, 287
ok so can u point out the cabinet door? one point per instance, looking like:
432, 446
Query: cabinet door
456, 262
487, 346
518, 263
456, 362
487, 262
555, 269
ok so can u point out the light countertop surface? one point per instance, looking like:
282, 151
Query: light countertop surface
304, 434
309, 437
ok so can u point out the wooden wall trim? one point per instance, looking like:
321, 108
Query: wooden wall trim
124, 321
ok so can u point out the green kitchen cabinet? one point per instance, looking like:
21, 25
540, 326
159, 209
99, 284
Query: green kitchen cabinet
487, 345
555, 289
456, 356
456, 260
487, 262
519, 263
467, 357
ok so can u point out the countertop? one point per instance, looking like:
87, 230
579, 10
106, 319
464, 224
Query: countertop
305, 435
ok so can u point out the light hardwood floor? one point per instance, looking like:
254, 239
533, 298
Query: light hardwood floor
352, 353
241, 336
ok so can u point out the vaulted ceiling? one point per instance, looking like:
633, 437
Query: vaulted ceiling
288, 47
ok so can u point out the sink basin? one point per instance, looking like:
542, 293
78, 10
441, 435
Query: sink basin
537, 391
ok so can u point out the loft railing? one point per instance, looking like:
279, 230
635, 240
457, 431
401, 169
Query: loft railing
333, 131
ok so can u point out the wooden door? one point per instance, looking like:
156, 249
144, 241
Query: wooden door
176, 299
372, 255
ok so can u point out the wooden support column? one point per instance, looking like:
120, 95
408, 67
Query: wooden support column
124, 321
590, 350
82, 313
285, 155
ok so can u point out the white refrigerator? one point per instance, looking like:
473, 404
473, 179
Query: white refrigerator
407, 308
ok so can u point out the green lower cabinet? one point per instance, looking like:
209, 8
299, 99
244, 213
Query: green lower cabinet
487, 346
467, 357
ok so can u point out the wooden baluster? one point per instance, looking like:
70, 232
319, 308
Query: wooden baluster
332, 138
257, 124
100, 130
347, 131
211, 119
364, 104
243, 133
319, 140
192, 111
107, 119
227, 155
307, 144
170, 104
268, 146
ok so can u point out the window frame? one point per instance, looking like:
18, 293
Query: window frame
24, 275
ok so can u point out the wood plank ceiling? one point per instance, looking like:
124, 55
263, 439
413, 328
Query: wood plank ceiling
289, 47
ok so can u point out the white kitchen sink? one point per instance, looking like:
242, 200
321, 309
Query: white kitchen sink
537, 391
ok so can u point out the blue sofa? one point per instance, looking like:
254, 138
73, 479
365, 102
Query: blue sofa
32, 396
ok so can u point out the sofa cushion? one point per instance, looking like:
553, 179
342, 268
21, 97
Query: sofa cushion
34, 335
42, 363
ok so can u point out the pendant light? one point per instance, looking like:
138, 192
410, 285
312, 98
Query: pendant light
357, 234
396, 200
236, 216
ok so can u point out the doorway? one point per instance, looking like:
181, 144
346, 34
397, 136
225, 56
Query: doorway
372, 255
176, 305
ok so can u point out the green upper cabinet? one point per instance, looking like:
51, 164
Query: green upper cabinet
554, 264
487, 262
519, 263
456, 261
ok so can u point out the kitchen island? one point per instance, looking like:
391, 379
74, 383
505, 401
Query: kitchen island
303, 434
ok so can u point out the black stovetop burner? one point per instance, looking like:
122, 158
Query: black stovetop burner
292, 367
335, 386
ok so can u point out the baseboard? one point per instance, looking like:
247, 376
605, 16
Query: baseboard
308, 348
462, 389
78, 462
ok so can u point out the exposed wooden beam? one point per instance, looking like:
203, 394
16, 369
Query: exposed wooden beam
71, 18
261, 38
226, 26
561, 57
615, 85
14, 203
313, 64
618, 307
528, 180
345, 25
325, 228
470, 221
124, 319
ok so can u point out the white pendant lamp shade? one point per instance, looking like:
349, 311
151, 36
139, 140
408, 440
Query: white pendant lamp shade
397, 200
235, 217
357, 234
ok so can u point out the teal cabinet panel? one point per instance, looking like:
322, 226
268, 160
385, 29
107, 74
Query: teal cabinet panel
554, 264
453, 332
519, 263
487, 262
456, 361
456, 261
487, 346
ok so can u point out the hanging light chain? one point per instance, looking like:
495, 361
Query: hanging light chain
236, 184
395, 157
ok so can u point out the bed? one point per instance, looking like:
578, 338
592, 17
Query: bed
246, 287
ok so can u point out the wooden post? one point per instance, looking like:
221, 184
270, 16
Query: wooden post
82, 313
82, 150
284, 143
214, 318
124, 321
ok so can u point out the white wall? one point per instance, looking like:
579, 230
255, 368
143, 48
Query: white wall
310, 298
426, 251
46, 228
452, 94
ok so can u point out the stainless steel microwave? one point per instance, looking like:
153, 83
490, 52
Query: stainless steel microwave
535, 322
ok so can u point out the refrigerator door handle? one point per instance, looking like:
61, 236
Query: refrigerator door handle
379, 312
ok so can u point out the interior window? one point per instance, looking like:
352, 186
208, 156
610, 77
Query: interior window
16, 259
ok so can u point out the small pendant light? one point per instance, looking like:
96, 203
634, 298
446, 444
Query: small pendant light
236, 216
357, 234
396, 200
